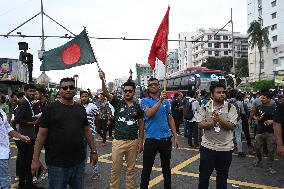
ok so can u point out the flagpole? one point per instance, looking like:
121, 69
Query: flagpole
166, 62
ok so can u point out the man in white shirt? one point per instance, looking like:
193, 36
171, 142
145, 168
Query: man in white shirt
5, 130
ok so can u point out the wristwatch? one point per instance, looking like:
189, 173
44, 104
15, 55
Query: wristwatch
94, 152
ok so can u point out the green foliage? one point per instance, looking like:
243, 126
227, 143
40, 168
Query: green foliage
242, 69
223, 63
40, 86
263, 85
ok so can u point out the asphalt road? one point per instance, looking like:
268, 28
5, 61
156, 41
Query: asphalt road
184, 163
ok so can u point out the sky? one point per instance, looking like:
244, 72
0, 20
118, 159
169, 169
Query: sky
111, 18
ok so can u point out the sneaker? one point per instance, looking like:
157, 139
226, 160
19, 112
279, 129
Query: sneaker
16, 178
241, 154
271, 170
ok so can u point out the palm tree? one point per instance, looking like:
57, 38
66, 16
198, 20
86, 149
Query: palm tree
258, 37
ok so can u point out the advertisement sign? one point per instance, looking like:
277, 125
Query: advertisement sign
13, 70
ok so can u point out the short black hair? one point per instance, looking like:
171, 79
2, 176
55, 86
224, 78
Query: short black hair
13, 94
203, 92
216, 85
129, 82
3, 98
153, 79
191, 93
267, 94
29, 86
83, 92
232, 93
67, 79
41, 90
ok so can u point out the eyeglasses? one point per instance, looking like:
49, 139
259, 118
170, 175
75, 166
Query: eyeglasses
130, 91
153, 84
71, 87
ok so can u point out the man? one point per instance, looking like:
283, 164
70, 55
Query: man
218, 119
12, 105
24, 116
5, 132
128, 119
190, 120
159, 124
63, 131
264, 116
93, 119
278, 125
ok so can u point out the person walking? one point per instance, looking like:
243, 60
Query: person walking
218, 118
278, 127
64, 131
177, 110
159, 129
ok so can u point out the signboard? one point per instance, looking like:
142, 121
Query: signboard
13, 70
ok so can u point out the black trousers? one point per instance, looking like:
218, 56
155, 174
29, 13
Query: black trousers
193, 132
18, 143
102, 129
25, 161
210, 160
151, 148
245, 128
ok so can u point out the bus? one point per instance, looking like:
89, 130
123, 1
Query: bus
193, 78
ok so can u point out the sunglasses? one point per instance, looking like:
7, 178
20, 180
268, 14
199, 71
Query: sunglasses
71, 87
130, 91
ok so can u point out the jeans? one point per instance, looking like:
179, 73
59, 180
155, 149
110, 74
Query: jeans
60, 177
25, 161
185, 126
193, 132
210, 160
5, 179
238, 136
88, 151
151, 148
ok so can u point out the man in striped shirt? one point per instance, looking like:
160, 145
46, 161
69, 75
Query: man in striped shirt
93, 118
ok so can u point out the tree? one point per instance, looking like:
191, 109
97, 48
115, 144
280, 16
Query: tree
258, 37
242, 69
223, 63
263, 85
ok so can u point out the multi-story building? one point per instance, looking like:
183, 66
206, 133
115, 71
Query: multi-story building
184, 50
209, 44
270, 14
144, 73
118, 83
159, 71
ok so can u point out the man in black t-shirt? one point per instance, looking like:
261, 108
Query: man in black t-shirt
278, 126
264, 115
63, 131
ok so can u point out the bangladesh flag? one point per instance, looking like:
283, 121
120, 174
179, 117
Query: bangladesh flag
76, 52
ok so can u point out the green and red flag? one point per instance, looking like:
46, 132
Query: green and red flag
76, 52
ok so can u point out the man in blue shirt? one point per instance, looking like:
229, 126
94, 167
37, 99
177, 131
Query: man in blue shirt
159, 129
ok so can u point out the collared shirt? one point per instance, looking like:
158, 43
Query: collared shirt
4, 138
126, 119
104, 109
92, 111
218, 139
157, 126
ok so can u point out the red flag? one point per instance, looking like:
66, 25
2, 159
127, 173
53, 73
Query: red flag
160, 43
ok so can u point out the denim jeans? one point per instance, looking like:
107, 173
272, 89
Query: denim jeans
210, 160
185, 126
238, 136
5, 179
60, 177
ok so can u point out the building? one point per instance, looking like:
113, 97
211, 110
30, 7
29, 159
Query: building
184, 50
270, 14
207, 44
118, 83
144, 73
173, 65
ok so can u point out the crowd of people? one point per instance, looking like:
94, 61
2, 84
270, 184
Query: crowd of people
215, 122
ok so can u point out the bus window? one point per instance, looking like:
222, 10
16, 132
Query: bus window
177, 82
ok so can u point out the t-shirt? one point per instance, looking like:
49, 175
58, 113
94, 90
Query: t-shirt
267, 113
65, 145
4, 138
92, 111
157, 126
279, 117
223, 139
126, 119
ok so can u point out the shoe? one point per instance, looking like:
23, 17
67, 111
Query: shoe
16, 178
241, 154
257, 163
271, 170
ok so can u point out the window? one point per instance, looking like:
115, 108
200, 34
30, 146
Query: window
217, 53
225, 45
217, 37
217, 45
275, 50
209, 52
273, 3
209, 37
275, 61
226, 53
274, 27
209, 44
274, 38
225, 37
273, 15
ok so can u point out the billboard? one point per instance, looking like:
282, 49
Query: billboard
13, 70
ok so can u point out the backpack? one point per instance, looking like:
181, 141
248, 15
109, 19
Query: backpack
234, 103
188, 112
